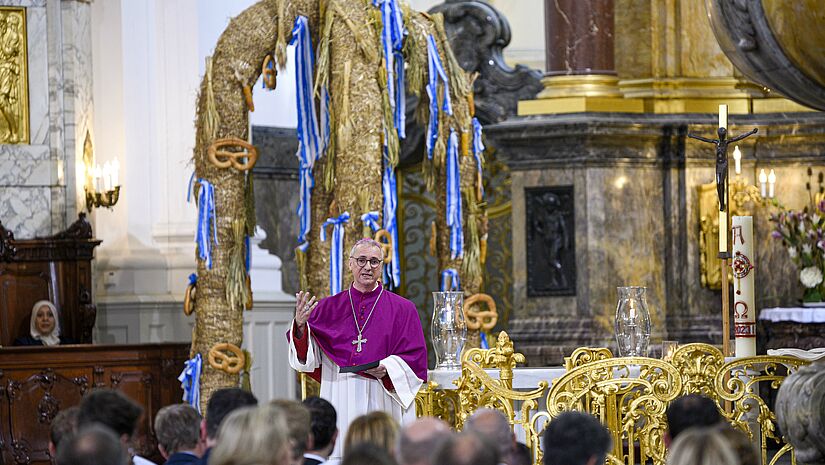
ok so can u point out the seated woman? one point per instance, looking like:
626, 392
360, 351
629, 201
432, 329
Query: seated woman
44, 327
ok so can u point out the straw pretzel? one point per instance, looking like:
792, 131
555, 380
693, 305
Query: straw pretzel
226, 357
225, 159
386, 246
483, 320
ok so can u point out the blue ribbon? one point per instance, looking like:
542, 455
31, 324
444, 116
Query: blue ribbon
452, 275
190, 381
271, 65
193, 279
206, 221
392, 41
436, 72
311, 141
393, 272
371, 219
484, 344
336, 261
454, 199
247, 254
478, 147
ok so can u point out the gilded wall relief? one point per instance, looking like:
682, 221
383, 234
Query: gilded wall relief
14, 77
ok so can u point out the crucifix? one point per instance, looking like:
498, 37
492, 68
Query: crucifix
359, 341
724, 218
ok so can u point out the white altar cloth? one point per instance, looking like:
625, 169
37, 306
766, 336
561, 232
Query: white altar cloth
797, 314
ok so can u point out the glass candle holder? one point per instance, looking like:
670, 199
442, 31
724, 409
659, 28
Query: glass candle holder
448, 330
632, 322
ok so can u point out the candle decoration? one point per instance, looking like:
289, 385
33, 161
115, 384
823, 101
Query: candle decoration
744, 308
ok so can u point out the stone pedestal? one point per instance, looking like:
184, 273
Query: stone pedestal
633, 219
799, 407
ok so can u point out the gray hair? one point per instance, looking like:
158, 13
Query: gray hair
177, 428
367, 241
493, 425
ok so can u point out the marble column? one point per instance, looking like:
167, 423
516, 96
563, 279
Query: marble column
579, 49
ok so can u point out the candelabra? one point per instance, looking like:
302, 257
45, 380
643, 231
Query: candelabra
102, 188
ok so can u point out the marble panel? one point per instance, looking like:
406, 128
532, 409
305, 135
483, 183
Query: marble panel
26, 165
37, 37
25, 3
26, 211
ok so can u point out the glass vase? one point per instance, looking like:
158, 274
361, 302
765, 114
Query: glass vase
448, 330
632, 322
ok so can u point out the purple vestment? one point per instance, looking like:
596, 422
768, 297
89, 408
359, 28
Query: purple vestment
393, 329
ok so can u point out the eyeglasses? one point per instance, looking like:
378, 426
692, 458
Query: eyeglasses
362, 261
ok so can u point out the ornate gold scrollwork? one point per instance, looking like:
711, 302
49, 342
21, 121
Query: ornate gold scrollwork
584, 355
14, 77
698, 365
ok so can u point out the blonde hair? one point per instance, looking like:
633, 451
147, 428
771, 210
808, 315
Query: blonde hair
252, 436
702, 446
376, 428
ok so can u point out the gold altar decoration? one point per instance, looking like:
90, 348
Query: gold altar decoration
14, 77
628, 394
744, 198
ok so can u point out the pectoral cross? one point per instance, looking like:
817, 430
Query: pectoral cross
359, 341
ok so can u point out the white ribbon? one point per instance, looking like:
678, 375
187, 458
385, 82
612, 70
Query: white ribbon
454, 199
371, 220
336, 262
478, 148
452, 275
190, 381
436, 72
206, 221
393, 272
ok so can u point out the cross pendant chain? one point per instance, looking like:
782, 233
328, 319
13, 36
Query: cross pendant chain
359, 341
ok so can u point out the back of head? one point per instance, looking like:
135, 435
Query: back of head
252, 436
298, 422
367, 454
112, 409
701, 446
421, 439
64, 425
742, 446
573, 438
376, 428
177, 428
690, 411
323, 421
466, 449
92, 445
222, 403
493, 425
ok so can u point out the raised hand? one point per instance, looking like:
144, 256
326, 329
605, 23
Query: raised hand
304, 305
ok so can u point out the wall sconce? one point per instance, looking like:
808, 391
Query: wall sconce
105, 189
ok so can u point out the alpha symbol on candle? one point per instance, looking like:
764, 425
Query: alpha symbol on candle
737, 232
737, 306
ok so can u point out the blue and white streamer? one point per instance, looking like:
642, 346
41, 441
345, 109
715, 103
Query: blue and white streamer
478, 148
451, 275
336, 260
390, 192
193, 279
392, 41
190, 381
371, 219
312, 140
436, 72
247, 254
206, 221
454, 199
483, 344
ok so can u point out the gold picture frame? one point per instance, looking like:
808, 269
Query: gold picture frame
14, 77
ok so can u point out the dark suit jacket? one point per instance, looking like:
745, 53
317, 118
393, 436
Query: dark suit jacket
310, 461
204, 460
182, 458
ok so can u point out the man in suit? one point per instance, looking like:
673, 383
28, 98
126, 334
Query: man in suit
117, 412
576, 438
493, 425
220, 405
177, 428
323, 421
94, 444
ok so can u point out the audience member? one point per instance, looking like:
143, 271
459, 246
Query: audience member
94, 444
220, 405
117, 412
576, 438
253, 436
466, 449
493, 425
689, 411
421, 439
177, 428
701, 446
298, 423
742, 446
324, 430
367, 454
377, 428
523, 455
44, 327
64, 426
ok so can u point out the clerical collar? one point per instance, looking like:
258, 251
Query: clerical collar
366, 294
